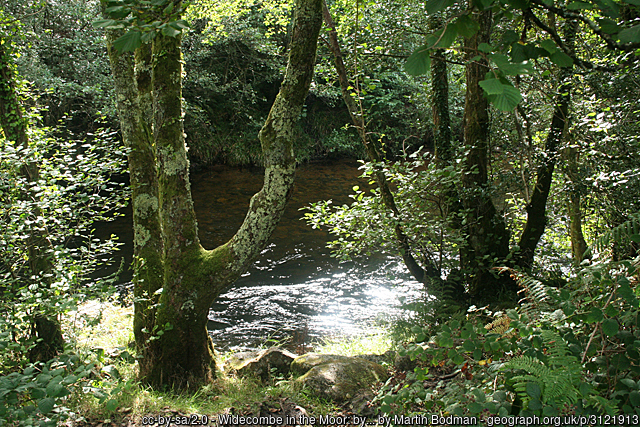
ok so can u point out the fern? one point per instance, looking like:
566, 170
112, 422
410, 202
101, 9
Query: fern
622, 234
535, 294
557, 378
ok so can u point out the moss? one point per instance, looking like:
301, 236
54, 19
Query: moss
140, 235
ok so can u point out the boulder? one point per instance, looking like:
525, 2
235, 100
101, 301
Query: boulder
339, 378
302, 364
261, 364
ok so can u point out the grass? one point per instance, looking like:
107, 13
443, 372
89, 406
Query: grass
104, 331
377, 343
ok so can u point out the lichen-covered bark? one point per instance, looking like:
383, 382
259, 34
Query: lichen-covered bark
276, 137
45, 327
488, 237
177, 351
537, 206
147, 231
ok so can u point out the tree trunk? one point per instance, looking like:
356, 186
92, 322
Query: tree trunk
440, 109
45, 326
176, 348
429, 272
133, 90
578, 244
537, 206
488, 238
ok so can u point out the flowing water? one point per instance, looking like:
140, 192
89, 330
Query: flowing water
295, 288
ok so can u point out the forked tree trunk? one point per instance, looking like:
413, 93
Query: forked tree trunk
488, 238
537, 206
176, 350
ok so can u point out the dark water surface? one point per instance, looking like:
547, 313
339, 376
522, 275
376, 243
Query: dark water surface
295, 288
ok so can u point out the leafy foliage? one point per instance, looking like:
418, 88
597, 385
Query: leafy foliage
72, 191
576, 355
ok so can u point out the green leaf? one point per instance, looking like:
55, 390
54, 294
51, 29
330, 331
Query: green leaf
510, 68
609, 7
54, 389
148, 36
629, 383
635, 238
129, 41
419, 62
630, 35
433, 6
485, 47
467, 26
533, 390
170, 32
609, 327
535, 404
561, 59
477, 354
111, 405
595, 315
46, 405
446, 40
633, 2
503, 96
469, 345
103, 23
549, 45
634, 398
475, 408
38, 393
608, 26
500, 396
479, 395
492, 86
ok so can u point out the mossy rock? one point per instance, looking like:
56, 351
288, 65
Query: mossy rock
302, 364
339, 378
261, 364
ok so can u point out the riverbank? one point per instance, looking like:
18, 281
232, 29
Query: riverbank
114, 398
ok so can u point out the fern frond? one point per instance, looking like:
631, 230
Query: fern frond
620, 234
557, 378
499, 325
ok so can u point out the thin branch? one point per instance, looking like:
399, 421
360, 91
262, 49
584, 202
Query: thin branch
556, 38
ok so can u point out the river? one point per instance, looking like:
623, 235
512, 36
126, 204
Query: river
295, 290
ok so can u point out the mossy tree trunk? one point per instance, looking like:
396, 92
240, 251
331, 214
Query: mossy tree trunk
487, 235
172, 266
45, 326
578, 244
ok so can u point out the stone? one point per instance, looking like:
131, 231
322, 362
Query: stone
339, 378
261, 364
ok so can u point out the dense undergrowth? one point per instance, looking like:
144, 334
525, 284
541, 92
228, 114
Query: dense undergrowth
561, 352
